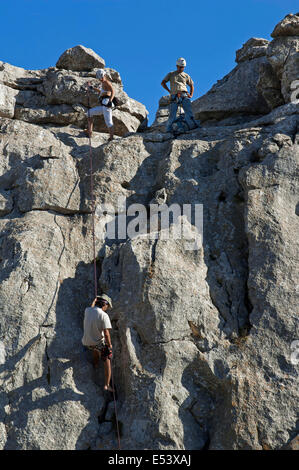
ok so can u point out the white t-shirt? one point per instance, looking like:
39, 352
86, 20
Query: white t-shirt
95, 321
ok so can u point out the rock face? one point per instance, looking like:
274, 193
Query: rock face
203, 324
58, 95
261, 81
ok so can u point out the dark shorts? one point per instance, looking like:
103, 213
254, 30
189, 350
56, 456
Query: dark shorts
106, 353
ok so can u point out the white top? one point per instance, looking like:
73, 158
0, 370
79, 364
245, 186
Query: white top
95, 321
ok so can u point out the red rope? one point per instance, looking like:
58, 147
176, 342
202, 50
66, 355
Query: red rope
94, 251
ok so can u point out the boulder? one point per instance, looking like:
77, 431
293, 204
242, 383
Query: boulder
289, 26
283, 55
80, 58
235, 94
253, 48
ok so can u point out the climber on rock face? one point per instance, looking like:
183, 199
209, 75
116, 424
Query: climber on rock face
96, 334
179, 94
106, 104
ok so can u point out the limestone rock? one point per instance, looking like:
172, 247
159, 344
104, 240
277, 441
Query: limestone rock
19, 78
59, 95
253, 48
204, 320
293, 444
269, 86
162, 113
283, 55
152, 341
80, 58
7, 101
6, 203
262, 79
289, 26
236, 93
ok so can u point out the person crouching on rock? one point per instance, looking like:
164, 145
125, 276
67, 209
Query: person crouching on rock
106, 104
97, 336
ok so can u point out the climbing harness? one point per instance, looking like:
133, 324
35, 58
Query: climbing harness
94, 252
105, 100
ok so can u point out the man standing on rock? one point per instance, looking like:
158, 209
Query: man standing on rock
97, 336
179, 94
106, 104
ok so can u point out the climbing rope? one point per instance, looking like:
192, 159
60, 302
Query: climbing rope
94, 251
92, 199
115, 409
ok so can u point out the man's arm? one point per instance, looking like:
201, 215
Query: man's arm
93, 303
107, 338
191, 90
163, 83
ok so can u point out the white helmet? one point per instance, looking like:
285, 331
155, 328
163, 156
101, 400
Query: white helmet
181, 62
100, 74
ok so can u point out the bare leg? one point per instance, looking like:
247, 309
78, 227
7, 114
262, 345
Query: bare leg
107, 370
95, 358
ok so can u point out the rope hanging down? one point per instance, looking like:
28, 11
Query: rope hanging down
94, 250
92, 200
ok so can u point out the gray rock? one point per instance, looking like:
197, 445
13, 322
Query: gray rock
269, 86
69, 99
110, 413
6, 203
80, 58
60, 96
20, 79
105, 428
253, 48
236, 93
7, 101
293, 444
289, 26
283, 55
203, 326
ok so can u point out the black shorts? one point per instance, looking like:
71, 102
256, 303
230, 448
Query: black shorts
106, 353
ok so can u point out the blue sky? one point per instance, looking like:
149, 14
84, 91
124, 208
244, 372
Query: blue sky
140, 39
